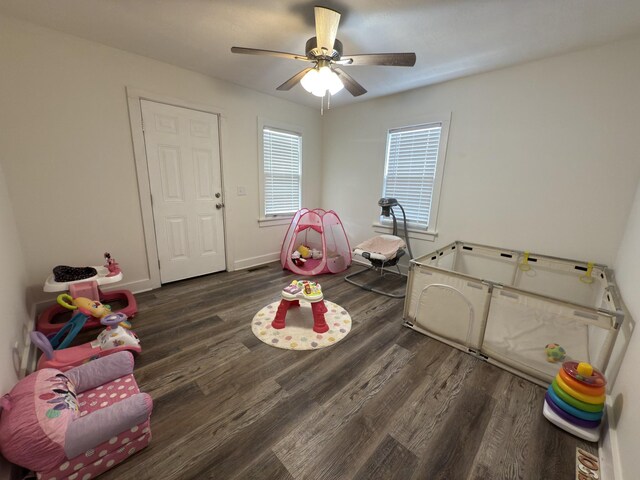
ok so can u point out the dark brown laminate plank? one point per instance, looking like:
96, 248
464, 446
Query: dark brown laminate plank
266, 467
450, 452
390, 460
504, 448
298, 450
361, 434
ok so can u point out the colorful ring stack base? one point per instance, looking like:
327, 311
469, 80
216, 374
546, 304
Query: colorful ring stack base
575, 400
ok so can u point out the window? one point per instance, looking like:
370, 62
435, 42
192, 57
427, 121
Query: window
413, 171
281, 172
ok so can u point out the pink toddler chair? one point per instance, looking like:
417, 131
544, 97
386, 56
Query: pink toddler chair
76, 424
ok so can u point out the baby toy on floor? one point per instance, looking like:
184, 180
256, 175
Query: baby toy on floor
297, 259
555, 353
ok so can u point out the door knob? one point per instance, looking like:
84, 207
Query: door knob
219, 205
218, 195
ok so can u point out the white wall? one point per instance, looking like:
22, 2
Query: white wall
625, 396
66, 148
12, 297
541, 156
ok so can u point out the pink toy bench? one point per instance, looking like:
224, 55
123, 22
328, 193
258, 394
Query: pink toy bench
82, 422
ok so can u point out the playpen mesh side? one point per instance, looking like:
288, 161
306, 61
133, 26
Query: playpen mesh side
520, 325
486, 264
526, 308
563, 280
449, 306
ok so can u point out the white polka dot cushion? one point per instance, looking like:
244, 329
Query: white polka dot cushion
110, 453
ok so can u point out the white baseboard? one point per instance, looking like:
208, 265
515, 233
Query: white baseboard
29, 353
256, 261
610, 467
137, 286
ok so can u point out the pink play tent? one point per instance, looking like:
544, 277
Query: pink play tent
321, 232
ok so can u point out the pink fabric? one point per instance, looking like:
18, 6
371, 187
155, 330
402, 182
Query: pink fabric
100, 371
116, 448
45, 414
101, 458
99, 426
387, 245
42, 405
317, 228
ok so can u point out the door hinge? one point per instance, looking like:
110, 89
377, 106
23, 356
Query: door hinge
158, 264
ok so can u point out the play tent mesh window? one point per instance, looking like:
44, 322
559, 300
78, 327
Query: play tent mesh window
282, 171
410, 169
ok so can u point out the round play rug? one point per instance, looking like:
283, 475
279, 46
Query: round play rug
298, 333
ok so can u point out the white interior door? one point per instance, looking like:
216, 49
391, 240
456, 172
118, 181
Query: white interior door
183, 159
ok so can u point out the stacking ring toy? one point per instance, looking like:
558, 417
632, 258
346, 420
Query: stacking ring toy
576, 370
591, 417
578, 386
586, 407
569, 418
594, 400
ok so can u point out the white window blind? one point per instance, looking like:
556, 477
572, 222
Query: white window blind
410, 169
282, 158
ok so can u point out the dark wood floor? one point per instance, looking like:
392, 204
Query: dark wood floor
386, 402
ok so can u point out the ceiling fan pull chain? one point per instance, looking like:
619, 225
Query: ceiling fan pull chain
322, 105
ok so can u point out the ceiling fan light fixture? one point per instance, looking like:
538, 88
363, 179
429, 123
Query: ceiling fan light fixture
319, 80
334, 84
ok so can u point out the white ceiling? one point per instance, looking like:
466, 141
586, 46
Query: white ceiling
451, 38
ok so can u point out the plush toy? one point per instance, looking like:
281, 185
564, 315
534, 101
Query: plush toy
316, 254
305, 252
297, 259
112, 265
555, 353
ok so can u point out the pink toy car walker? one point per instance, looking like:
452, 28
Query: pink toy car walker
111, 340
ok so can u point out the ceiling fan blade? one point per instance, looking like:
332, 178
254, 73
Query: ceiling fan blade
353, 87
294, 80
390, 59
327, 21
271, 53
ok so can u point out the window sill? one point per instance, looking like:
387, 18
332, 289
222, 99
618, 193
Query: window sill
413, 233
274, 221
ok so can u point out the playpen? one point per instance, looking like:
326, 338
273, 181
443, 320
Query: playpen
505, 306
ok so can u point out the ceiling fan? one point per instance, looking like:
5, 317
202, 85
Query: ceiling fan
324, 51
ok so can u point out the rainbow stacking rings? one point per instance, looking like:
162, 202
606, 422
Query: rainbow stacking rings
577, 395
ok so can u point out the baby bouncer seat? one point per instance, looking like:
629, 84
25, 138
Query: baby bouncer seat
383, 251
